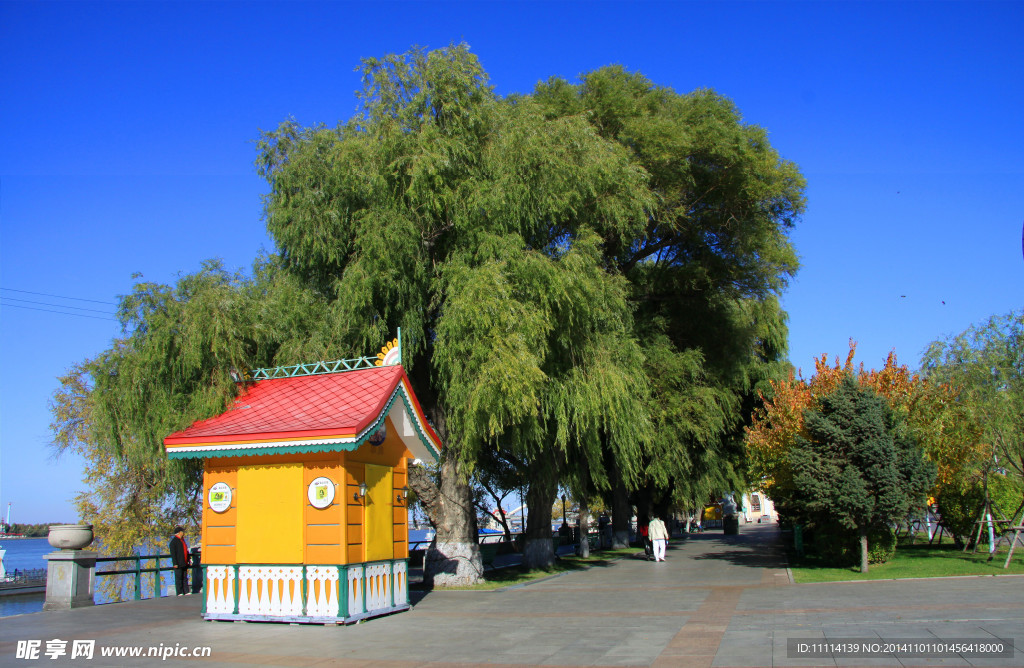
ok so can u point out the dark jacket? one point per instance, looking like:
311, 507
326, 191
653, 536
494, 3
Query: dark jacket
179, 558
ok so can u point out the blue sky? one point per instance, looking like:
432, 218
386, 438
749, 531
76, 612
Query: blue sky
127, 130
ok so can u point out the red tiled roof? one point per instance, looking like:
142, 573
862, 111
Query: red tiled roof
329, 406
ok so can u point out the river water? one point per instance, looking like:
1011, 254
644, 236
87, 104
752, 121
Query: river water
23, 554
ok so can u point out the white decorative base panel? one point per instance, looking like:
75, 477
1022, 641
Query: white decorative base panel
310, 594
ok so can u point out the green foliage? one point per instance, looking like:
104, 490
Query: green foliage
692, 416
837, 545
960, 507
881, 545
1007, 493
986, 365
832, 543
170, 369
704, 271
855, 468
725, 197
30, 530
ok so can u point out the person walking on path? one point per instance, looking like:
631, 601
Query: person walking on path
659, 538
180, 560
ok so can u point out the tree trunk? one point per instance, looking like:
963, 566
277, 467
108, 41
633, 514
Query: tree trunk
863, 550
502, 516
538, 551
582, 529
621, 513
453, 559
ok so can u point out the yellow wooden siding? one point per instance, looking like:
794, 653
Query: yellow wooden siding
218, 537
324, 554
219, 529
325, 527
270, 514
355, 537
401, 511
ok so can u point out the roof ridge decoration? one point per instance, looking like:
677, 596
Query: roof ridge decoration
389, 355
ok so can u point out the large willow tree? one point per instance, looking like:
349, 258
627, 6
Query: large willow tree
533, 248
704, 273
476, 224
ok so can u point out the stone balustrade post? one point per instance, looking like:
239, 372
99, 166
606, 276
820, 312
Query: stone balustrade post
70, 579
71, 570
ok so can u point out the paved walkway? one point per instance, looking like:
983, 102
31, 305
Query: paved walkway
717, 601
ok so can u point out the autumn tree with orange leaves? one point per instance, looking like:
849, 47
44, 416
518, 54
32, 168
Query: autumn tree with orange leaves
949, 435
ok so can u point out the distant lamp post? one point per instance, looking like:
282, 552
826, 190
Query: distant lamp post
565, 523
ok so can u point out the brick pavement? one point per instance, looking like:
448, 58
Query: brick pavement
717, 601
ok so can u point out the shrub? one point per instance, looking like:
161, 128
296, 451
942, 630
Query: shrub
838, 546
833, 544
959, 509
881, 545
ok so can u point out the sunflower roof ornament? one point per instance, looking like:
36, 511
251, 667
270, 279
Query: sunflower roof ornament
390, 354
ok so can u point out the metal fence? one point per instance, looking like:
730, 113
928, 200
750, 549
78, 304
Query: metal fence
24, 577
137, 570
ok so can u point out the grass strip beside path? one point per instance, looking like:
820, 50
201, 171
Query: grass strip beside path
912, 561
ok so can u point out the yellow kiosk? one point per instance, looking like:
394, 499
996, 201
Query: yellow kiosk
304, 488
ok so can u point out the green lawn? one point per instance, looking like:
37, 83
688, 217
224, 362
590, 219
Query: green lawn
913, 561
517, 575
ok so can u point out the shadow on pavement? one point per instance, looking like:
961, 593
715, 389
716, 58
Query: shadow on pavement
748, 559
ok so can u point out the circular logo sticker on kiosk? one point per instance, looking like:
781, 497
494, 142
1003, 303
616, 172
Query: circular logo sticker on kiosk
321, 493
220, 497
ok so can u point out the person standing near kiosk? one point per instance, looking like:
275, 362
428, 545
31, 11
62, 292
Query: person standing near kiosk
180, 561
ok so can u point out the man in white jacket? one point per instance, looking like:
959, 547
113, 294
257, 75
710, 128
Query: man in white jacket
659, 538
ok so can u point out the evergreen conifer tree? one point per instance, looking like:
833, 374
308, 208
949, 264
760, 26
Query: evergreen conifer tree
856, 467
